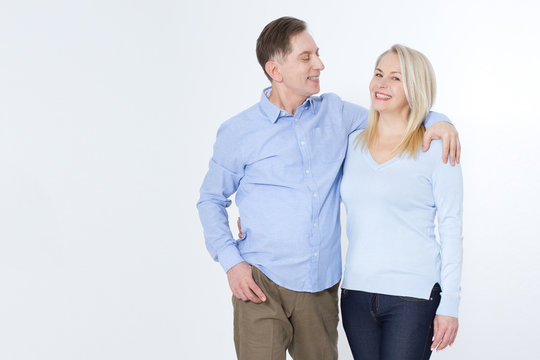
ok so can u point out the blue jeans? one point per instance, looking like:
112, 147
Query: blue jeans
386, 327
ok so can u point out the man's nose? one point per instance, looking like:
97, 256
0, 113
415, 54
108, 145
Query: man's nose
319, 64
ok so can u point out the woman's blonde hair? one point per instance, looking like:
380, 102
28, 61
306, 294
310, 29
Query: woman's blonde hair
419, 85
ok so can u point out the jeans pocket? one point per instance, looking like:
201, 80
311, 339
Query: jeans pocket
436, 291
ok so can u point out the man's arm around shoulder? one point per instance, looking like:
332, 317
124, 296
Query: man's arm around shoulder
438, 126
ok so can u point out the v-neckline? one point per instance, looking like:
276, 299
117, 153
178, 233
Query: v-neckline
375, 165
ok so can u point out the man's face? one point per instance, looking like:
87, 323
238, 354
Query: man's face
301, 68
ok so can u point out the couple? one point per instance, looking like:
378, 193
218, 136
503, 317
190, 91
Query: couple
284, 158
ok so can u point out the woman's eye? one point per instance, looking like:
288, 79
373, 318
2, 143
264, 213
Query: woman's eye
378, 75
396, 78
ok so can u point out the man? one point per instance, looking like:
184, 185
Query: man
283, 158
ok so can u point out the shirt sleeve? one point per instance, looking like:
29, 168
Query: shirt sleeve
448, 196
226, 169
434, 117
356, 117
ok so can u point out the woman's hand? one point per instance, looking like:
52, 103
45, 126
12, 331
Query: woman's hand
445, 331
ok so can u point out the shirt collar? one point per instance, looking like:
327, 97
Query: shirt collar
273, 112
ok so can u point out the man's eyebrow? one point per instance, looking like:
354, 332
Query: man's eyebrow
307, 52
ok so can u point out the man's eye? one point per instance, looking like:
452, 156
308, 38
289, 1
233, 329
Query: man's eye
305, 59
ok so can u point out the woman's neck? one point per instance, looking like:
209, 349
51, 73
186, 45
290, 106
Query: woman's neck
392, 124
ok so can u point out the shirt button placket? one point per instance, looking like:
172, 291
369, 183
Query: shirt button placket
314, 241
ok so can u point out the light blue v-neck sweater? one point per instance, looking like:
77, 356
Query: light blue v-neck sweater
391, 210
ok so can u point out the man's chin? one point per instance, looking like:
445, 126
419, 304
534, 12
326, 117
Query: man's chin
315, 90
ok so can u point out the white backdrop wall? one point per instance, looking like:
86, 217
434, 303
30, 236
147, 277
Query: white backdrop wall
108, 113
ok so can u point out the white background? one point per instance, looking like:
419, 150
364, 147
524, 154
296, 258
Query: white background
108, 113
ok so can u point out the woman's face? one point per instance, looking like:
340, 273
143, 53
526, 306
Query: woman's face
386, 87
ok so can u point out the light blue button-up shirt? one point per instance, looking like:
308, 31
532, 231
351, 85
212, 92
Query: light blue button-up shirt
286, 171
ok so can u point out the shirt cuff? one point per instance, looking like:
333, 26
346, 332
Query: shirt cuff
229, 256
449, 305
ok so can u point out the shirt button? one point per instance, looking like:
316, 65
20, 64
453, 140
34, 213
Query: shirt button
302, 143
314, 254
307, 171
315, 194
296, 119
314, 224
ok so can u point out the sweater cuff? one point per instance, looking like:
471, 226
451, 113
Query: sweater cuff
229, 256
449, 305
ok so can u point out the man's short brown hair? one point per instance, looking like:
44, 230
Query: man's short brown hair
275, 39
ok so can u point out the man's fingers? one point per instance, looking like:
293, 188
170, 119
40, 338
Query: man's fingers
453, 151
252, 291
240, 234
240, 295
245, 294
458, 151
427, 141
257, 290
445, 149
242, 284
252, 297
249, 287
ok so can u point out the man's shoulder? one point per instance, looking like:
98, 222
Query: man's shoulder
243, 118
327, 98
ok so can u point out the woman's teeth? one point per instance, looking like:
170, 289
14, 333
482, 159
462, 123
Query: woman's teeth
382, 96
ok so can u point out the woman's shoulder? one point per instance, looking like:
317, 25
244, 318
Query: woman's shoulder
433, 157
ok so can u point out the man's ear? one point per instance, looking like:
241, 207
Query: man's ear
273, 70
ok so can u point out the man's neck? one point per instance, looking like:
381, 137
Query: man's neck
285, 100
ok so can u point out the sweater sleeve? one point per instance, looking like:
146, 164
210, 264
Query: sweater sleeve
226, 169
448, 196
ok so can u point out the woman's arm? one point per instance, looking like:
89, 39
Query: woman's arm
448, 196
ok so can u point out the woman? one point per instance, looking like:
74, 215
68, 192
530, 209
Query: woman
400, 291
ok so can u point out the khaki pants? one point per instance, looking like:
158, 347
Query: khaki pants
304, 323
